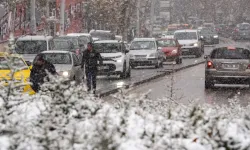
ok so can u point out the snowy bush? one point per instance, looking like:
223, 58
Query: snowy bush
62, 117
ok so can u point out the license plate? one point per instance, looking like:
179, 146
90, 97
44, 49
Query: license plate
141, 59
230, 66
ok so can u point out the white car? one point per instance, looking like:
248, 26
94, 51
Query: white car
29, 46
115, 58
66, 63
190, 41
145, 52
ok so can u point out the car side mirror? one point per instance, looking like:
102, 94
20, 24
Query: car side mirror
28, 63
126, 51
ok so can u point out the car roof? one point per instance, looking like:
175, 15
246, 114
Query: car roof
34, 38
144, 39
165, 39
188, 30
56, 51
233, 45
105, 31
78, 34
108, 41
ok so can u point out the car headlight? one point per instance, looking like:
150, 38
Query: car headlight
216, 36
153, 55
174, 51
195, 44
119, 60
65, 73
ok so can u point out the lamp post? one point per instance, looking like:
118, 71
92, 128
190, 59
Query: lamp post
62, 17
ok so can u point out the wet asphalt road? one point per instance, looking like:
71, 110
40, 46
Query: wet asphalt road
188, 85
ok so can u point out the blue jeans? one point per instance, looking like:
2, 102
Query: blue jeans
91, 79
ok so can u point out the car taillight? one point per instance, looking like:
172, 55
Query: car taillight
77, 51
210, 65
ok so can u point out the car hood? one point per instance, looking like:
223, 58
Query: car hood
111, 55
168, 49
62, 67
142, 52
29, 57
19, 75
184, 42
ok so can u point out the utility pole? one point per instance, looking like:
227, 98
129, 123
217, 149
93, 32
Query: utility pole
33, 17
152, 13
62, 17
138, 18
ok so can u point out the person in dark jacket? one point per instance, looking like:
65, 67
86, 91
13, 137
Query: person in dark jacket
40, 71
90, 59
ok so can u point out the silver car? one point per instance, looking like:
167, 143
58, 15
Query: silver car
67, 64
227, 64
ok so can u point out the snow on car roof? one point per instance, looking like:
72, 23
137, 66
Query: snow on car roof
34, 38
144, 39
178, 31
78, 34
108, 41
56, 51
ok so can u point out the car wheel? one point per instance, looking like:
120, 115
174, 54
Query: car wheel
209, 85
124, 72
198, 54
180, 60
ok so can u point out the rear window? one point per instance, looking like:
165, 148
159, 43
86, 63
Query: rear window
31, 47
166, 43
12, 62
186, 36
225, 53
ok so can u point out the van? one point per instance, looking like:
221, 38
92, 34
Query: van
30, 46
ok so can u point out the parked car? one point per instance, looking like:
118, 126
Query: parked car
242, 32
191, 42
115, 57
30, 46
171, 48
66, 63
209, 36
145, 52
227, 64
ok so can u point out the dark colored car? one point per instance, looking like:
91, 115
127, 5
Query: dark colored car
227, 64
209, 36
171, 48
242, 32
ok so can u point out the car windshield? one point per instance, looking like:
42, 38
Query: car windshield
166, 43
61, 45
169, 33
108, 47
186, 35
12, 62
30, 47
102, 35
225, 53
142, 45
206, 31
58, 58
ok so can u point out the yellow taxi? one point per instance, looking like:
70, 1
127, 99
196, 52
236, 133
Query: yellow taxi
14, 68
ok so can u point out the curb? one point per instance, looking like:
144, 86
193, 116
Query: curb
164, 73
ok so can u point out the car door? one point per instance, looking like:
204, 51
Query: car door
77, 70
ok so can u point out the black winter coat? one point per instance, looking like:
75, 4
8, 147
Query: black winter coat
90, 60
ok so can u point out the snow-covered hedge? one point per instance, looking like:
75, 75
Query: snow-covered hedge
64, 117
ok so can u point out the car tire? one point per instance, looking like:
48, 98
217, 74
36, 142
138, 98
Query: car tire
209, 85
198, 54
178, 60
123, 75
